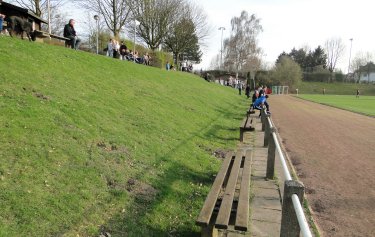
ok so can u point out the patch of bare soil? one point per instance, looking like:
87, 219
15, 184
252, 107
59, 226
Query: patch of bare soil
218, 153
333, 151
41, 96
142, 191
112, 147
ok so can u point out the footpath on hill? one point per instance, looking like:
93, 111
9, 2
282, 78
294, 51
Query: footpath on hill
333, 153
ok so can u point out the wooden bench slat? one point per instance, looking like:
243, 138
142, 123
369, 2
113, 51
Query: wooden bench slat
209, 205
242, 216
222, 219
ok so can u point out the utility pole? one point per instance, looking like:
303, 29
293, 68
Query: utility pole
135, 28
49, 16
350, 53
96, 17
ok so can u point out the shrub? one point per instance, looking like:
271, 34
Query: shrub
286, 73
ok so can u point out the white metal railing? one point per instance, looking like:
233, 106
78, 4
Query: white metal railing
305, 230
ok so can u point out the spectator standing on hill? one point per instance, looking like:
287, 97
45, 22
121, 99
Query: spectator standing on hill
239, 87
184, 66
70, 33
123, 51
324, 91
357, 95
167, 66
116, 48
2, 17
146, 59
110, 48
247, 91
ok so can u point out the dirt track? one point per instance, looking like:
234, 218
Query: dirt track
333, 152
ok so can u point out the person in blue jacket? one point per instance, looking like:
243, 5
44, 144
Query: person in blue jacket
260, 102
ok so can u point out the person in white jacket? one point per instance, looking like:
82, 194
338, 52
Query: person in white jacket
110, 48
116, 48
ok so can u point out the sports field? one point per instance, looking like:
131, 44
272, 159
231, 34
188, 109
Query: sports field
363, 104
332, 151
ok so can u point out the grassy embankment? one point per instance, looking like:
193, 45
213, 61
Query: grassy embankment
91, 144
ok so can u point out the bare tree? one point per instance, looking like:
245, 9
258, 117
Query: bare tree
187, 32
115, 13
215, 62
38, 7
58, 20
253, 65
154, 19
335, 49
199, 18
242, 47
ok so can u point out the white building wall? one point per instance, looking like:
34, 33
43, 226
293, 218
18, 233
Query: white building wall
364, 77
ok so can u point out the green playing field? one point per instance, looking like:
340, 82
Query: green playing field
363, 104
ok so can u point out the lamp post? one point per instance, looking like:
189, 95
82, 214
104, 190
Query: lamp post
135, 29
350, 53
221, 50
49, 16
96, 17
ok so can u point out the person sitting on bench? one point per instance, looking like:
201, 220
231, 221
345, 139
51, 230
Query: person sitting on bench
260, 102
70, 33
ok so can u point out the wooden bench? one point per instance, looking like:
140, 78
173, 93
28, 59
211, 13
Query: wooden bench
227, 204
246, 125
41, 34
250, 110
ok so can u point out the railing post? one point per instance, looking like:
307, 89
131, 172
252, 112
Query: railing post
263, 118
289, 221
267, 132
271, 155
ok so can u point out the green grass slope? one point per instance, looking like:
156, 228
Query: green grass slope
91, 144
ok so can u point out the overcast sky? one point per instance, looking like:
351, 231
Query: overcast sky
296, 23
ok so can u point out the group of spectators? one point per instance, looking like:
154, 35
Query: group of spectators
185, 67
259, 100
120, 51
114, 48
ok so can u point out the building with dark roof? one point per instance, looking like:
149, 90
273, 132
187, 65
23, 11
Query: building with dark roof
367, 73
13, 10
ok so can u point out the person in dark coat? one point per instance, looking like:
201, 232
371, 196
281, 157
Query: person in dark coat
70, 33
123, 51
247, 91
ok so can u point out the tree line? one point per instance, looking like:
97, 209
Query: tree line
242, 54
